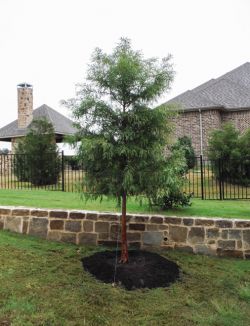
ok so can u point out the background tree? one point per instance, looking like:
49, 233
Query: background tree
185, 144
230, 154
122, 138
223, 143
37, 156
244, 148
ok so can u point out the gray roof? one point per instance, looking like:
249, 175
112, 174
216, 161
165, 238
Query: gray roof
229, 92
62, 125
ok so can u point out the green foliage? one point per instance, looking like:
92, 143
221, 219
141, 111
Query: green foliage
122, 138
174, 199
223, 143
185, 144
37, 157
230, 154
167, 192
72, 162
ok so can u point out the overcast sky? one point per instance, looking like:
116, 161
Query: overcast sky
48, 43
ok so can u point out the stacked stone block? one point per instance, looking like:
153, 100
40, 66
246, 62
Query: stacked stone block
209, 236
25, 105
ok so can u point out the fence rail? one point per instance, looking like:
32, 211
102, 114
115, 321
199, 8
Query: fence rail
17, 173
206, 180
219, 179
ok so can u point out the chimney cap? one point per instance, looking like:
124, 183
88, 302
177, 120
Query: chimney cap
24, 85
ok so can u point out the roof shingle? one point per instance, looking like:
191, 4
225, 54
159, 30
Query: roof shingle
231, 91
62, 125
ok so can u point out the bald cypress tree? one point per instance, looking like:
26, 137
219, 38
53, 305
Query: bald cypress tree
122, 137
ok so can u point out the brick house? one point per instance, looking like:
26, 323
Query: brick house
211, 104
19, 128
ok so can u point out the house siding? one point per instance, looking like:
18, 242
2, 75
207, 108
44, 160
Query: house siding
240, 119
188, 124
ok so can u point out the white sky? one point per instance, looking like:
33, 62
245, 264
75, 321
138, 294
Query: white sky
48, 43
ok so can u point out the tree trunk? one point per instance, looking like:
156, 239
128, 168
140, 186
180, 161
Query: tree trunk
124, 244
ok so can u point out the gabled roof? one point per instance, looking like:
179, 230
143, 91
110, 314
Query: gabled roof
231, 91
62, 125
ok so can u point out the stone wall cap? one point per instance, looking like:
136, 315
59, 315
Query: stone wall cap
119, 214
14, 207
106, 213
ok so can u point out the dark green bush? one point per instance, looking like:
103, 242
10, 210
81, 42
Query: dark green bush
37, 158
185, 144
174, 199
229, 153
72, 162
171, 193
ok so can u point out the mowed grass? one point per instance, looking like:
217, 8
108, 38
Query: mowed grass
58, 199
43, 283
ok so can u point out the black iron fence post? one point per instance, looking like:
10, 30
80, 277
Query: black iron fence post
202, 180
220, 180
63, 184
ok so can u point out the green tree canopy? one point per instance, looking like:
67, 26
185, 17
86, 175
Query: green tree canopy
185, 143
122, 137
224, 143
229, 152
37, 156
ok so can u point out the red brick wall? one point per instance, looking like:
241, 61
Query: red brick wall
240, 119
188, 124
211, 119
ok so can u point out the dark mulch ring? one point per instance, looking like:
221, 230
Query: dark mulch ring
144, 269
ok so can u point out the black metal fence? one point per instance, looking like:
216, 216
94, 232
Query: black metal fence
20, 171
206, 180
219, 179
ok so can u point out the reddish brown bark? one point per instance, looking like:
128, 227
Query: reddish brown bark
124, 244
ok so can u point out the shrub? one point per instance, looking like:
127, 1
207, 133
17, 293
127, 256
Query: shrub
174, 199
230, 154
170, 193
37, 157
73, 162
185, 144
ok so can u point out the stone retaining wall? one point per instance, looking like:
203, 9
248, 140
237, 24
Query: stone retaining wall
210, 236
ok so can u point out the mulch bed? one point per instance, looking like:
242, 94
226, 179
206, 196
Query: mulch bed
144, 269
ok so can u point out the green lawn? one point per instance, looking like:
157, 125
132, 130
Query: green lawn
57, 199
43, 283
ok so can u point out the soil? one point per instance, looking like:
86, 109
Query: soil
144, 269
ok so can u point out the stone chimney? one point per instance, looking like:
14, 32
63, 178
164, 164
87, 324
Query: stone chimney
25, 104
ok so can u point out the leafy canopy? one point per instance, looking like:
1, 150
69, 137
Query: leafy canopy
224, 143
230, 154
37, 157
185, 143
122, 137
